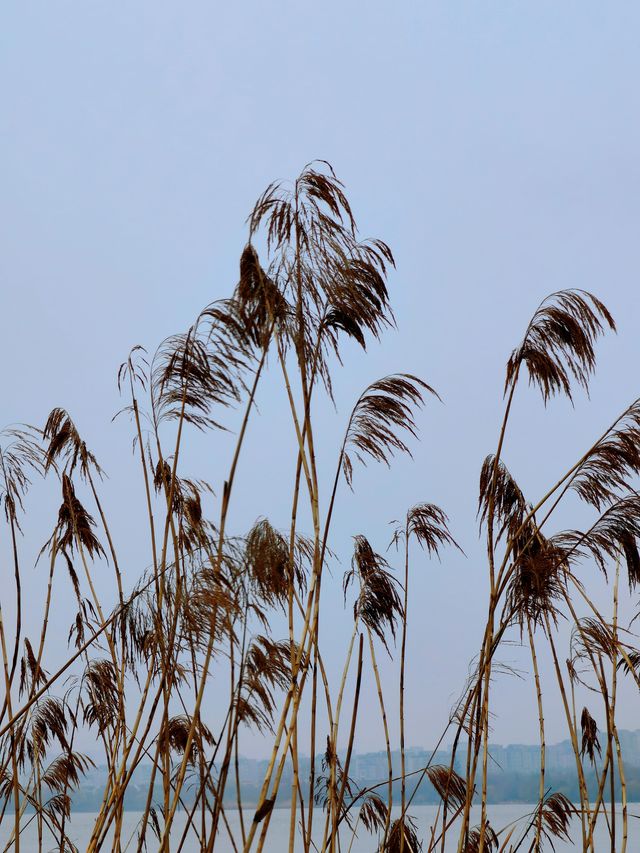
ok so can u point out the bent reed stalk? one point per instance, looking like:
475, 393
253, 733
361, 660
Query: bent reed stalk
147, 659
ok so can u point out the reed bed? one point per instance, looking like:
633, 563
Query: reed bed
201, 616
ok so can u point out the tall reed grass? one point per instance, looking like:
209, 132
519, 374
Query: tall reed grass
141, 669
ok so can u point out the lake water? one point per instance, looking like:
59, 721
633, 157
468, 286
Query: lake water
499, 815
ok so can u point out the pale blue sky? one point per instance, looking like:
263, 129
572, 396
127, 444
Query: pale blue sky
493, 145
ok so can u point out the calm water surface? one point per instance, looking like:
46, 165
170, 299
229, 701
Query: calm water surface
500, 816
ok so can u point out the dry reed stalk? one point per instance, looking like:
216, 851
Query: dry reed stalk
614, 693
294, 745
623, 790
595, 659
13, 745
291, 595
534, 661
403, 652
345, 771
18, 586
387, 739
571, 725
332, 817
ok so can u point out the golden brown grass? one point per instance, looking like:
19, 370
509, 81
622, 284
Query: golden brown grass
209, 596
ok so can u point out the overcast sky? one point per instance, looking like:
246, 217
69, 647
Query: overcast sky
493, 145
